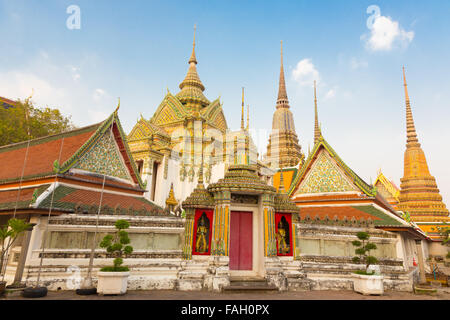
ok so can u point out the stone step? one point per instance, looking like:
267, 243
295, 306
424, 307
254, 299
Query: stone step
245, 284
246, 288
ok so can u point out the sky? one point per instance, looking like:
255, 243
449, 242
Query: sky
137, 50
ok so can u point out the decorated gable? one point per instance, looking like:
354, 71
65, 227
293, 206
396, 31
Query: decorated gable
169, 111
104, 158
214, 115
325, 176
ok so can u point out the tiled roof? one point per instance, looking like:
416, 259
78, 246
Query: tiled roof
321, 197
23, 199
379, 217
72, 199
42, 153
7, 103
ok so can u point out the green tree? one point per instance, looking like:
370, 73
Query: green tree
8, 234
25, 121
363, 250
117, 245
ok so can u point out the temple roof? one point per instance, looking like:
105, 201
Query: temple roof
7, 103
192, 88
392, 190
320, 145
38, 158
68, 199
241, 178
360, 213
200, 197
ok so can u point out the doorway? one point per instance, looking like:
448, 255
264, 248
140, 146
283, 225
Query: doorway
241, 240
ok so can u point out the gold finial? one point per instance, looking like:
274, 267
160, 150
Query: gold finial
118, 106
317, 132
242, 112
192, 58
195, 29
411, 134
282, 99
281, 41
248, 117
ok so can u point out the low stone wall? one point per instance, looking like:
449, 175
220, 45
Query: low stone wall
154, 263
326, 254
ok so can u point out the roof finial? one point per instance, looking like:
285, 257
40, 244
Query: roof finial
282, 95
317, 132
118, 106
242, 112
411, 134
192, 58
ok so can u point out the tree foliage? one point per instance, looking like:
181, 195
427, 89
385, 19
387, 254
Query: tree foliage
8, 235
444, 231
24, 121
363, 249
117, 245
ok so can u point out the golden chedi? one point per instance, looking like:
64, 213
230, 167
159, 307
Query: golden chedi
419, 194
283, 149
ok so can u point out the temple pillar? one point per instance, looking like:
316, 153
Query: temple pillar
23, 255
188, 234
221, 224
421, 264
270, 244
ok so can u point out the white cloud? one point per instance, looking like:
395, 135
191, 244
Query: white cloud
305, 73
358, 63
53, 86
330, 94
385, 34
75, 72
17, 84
99, 94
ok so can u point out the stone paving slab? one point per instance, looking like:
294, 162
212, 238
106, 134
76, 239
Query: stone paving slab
443, 294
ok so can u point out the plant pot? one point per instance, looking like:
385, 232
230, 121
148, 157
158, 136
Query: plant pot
112, 282
368, 285
2, 287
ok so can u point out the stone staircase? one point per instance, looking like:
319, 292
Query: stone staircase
249, 284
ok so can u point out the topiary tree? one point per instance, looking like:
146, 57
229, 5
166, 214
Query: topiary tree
363, 250
118, 246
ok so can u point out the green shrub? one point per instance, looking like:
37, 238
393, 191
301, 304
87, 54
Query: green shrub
363, 251
118, 246
12, 230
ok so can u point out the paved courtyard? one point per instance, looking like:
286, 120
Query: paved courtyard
443, 294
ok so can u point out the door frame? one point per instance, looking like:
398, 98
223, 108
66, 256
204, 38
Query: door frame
257, 240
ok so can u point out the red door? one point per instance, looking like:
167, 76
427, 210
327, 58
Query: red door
241, 232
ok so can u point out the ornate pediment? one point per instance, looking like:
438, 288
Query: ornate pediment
214, 115
104, 157
144, 129
325, 176
170, 110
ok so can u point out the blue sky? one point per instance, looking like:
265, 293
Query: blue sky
139, 49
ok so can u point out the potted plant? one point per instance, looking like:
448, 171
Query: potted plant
366, 282
8, 235
114, 279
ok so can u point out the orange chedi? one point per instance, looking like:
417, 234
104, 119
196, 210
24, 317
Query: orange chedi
419, 194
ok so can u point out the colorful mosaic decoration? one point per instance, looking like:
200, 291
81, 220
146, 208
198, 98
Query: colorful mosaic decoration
104, 158
325, 177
